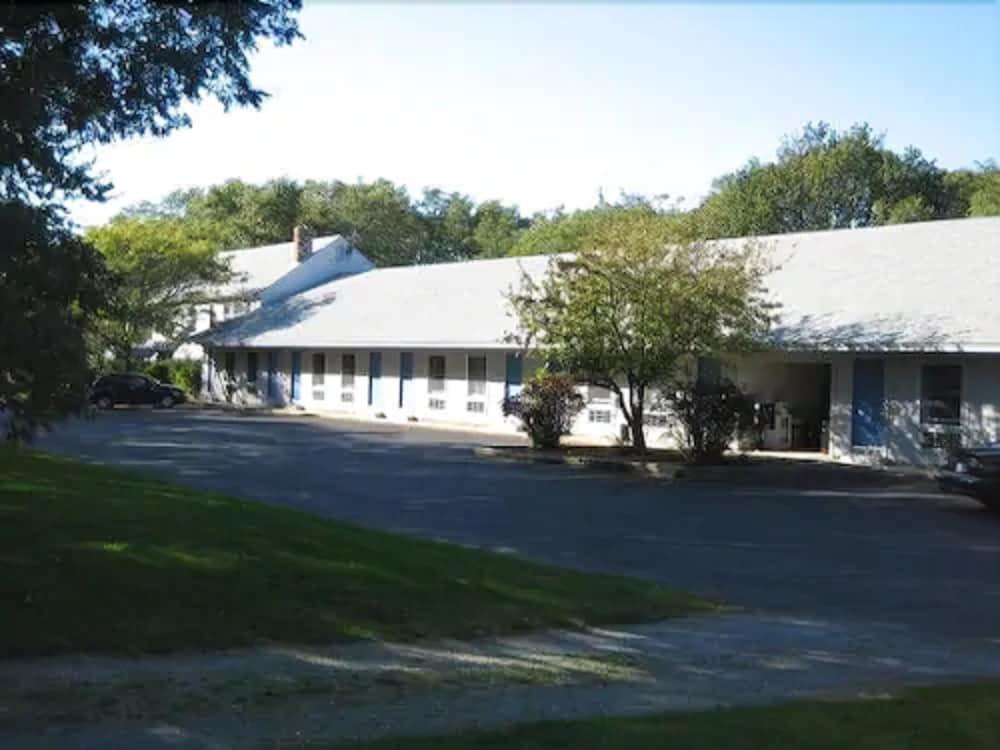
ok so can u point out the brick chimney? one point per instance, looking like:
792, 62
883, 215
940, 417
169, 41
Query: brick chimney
302, 243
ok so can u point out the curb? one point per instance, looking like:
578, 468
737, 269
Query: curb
653, 469
668, 471
243, 411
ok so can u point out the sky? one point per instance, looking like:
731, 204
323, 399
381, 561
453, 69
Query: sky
546, 105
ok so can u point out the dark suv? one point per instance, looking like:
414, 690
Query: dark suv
128, 388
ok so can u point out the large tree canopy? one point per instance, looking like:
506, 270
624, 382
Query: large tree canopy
382, 218
82, 73
52, 286
826, 179
161, 272
74, 75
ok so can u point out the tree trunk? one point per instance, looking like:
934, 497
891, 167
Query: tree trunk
638, 436
633, 413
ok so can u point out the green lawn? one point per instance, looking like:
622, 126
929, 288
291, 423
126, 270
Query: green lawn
96, 559
952, 718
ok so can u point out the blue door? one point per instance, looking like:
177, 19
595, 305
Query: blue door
272, 375
296, 376
374, 376
868, 412
514, 376
405, 377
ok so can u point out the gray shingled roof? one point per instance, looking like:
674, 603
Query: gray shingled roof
256, 268
910, 287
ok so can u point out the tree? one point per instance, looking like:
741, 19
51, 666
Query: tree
448, 225
73, 75
161, 273
985, 201
497, 228
52, 286
642, 300
238, 214
974, 192
76, 74
825, 179
378, 216
909, 209
560, 232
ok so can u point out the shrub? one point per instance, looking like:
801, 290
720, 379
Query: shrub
159, 370
546, 407
710, 415
184, 373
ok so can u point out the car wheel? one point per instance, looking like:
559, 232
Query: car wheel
105, 402
167, 402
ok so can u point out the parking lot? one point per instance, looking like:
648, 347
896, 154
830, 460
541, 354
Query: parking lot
885, 555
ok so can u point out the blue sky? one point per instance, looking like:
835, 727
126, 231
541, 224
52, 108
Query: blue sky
546, 104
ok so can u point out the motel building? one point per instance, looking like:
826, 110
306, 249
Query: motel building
886, 348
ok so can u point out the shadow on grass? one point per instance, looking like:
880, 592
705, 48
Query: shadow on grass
107, 561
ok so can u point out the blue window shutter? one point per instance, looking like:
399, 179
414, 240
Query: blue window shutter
296, 375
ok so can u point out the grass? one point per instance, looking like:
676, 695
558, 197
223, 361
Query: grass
100, 560
966, 717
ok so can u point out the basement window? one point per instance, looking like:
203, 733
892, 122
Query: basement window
941, 394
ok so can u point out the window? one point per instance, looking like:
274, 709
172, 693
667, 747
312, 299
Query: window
709, 371
347, 397
477, 376
475, 407
597, 394
251, 367
600, 416
319, 369
437, 404
654, 419
347, 363
435, 374
941, 394
230, 364
318, 395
